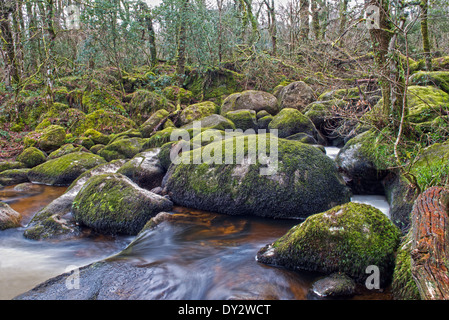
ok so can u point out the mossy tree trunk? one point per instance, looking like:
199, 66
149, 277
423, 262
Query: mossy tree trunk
304, 18
7, 7
315, 19
424, 6
380, 38
272, 25
182, 43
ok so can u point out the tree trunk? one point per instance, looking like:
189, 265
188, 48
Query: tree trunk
304, 17
429, 247
182, 38
380, 38
425, 34
315, 19
6, 8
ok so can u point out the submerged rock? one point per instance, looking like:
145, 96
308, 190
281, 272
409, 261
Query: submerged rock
336, 285
9, 218
113, 204
347, 238
300, 180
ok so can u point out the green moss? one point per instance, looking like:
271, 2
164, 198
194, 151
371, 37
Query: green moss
152, 122
66, 149
106, 122
438, 79
197, 112
243, 119
144, 103
347, 238
350, 93
250, 100
96, 137
290, 121
122, 149
112, 204
100, 98
441, 63
14, 176
425, 103
232, 188
65, 169
175, 93
48, 139
8, 165
31, 157
404, 286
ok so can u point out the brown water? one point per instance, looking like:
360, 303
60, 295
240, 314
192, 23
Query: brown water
200, 255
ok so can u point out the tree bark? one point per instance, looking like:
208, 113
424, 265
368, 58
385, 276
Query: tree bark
6, 8
304, 18
182, 39
425, 33
429, 247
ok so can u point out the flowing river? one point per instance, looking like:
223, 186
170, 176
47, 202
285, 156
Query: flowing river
202, 256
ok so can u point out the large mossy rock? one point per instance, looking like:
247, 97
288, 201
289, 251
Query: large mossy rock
55, 221
113, 204
48, 139
362, 165
214, 121
105, 121
144, 103
9, 165
252, 100
122, 149
64, 170
66, 149
31, 157
347, 238
152, 122
425, 103
299, 181
197, 111
296, 95
9, 218
438, 79
291, 121
243, 119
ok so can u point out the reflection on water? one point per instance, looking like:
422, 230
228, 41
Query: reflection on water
193, 255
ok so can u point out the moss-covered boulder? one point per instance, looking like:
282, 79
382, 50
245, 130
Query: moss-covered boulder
9, 165
144, 103
296, 95
425, 103
347, 238
55, 221
144, 169
102, 98
113, 204
197, 111
438, 79
105, 121
64, 170
9, 218
148, 127
441, 63
252, 100
319, 112
97, 137
264, 122
14, 176
66, 149
214, 121
364, 161
48, 139
122, 149
31, 157
291, 121
175, 93
291, 184
243, 119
